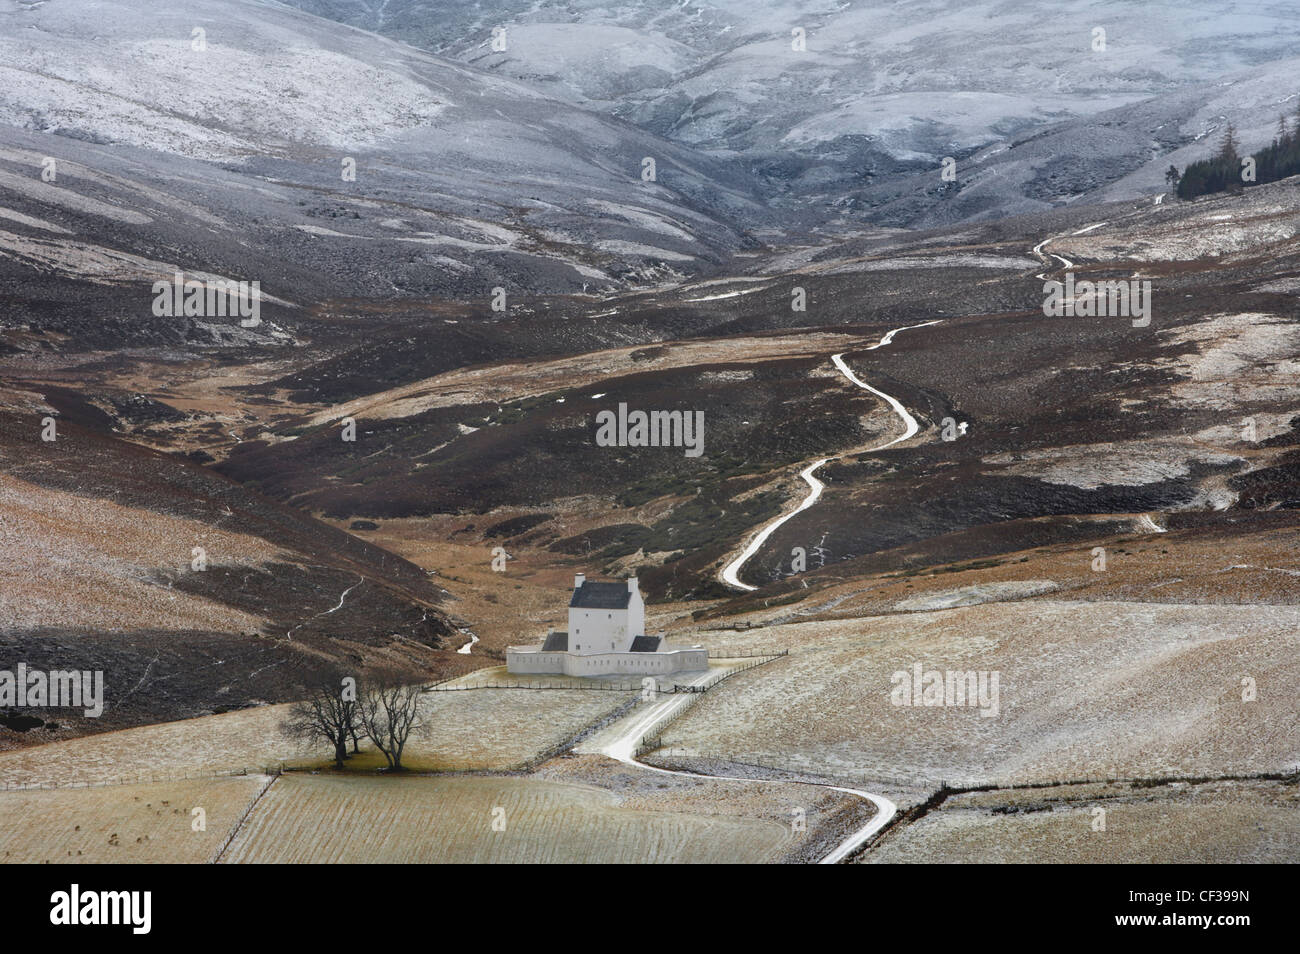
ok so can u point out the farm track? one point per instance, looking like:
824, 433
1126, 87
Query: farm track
730, 574
623, 749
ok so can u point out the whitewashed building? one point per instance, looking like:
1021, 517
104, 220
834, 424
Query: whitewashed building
606, 637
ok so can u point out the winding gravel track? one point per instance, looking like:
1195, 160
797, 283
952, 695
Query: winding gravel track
731, 573
623, 744
1065, 262
622, 747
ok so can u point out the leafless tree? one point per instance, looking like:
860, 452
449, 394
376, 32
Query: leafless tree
331, 713
390, 712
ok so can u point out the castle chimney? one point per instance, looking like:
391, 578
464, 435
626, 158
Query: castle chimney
631, 584
579, 580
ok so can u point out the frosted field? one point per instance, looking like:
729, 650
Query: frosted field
95, 571
445, 820
1087, 690
135, 824
1256, 822
486, 728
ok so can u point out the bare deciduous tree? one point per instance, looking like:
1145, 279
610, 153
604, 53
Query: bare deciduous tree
330, 712
390, 712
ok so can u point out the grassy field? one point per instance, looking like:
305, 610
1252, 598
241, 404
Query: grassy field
1087, 691
137, 824
1241, 822
449, 819
487, 728
57, 571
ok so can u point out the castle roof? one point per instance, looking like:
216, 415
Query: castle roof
595, 595
556, 642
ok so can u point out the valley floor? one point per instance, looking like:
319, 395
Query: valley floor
1104, 546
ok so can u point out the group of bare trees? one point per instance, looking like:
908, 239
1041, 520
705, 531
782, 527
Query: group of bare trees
382, 710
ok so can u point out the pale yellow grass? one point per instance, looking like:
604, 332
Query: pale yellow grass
331, 819
1087, 690
512, 382
73, 561
1254, 822
136, 824
828, 816
488, 728
519, 606
502, 728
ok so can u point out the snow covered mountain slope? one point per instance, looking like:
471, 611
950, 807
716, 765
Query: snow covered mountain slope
250, 140
862, 116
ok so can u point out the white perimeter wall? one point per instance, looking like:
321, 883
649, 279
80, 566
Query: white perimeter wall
607, 664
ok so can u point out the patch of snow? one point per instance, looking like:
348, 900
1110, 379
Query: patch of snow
976, 594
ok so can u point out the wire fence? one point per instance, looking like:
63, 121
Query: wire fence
693, 693
140, 779
865, 777
651, 742
650, 738
681, 756
539, 684
601, 683
439, 767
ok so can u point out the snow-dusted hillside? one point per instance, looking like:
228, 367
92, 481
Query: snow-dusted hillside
216, 136
861, 118
211, 136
